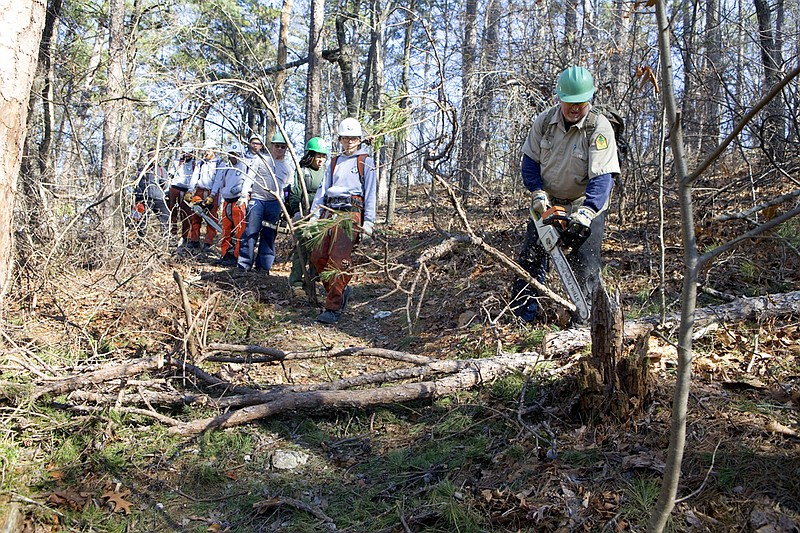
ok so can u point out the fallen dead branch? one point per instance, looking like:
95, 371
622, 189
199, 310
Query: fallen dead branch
477, 371
108, 372
297, 504
279, 355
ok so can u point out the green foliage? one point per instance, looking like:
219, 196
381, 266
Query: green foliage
581, 457
639, 499
508, 388
393, 120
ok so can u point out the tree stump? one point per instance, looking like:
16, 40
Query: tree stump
614, 381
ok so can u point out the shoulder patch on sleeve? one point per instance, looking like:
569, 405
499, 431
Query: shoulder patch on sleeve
601, 143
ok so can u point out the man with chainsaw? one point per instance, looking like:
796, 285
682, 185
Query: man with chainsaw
270, 173
200, 196
233, 185
569, 160
345, 201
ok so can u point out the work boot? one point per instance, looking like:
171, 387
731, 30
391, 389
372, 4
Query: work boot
228, 261
206, 247
193, 245
329, 317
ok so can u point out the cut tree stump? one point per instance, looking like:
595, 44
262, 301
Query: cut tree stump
614, 381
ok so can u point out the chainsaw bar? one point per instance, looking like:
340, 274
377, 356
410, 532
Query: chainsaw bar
549, 237
199, 211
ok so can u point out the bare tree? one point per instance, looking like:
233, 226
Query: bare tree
109, 171
20, 45
314, 79
693, 260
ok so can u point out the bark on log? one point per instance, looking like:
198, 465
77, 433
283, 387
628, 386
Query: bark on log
478, 371
563, 343
252, 398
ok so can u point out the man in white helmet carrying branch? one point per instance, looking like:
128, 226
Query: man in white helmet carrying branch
348, 190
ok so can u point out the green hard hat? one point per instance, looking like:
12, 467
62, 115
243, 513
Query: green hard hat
575, 85
278, 138
317, 144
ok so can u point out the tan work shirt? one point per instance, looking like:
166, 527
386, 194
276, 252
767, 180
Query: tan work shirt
568, 159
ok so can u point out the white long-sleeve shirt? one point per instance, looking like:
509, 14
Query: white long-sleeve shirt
203, 177
268, 176
231, 181
346, 181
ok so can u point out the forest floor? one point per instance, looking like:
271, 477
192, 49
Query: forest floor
510, 455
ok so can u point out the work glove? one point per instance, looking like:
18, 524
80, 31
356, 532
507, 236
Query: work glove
540, 203
242, 202
579, 227
187, 197
366, 230
208, 201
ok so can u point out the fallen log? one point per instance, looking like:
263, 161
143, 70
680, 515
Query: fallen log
562, 343
475, 372
174, 398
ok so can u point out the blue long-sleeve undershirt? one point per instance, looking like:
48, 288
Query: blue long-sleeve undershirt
597, 190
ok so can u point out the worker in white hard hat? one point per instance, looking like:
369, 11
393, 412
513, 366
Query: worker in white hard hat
348, 191
233, 185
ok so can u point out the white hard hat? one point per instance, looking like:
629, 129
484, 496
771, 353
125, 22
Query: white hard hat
210, 144
254, 137
234, 148
187, 148
349, 127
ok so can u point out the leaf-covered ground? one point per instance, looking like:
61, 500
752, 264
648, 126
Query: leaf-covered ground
512, 455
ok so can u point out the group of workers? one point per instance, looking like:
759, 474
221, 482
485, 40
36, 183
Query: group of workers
255, 188
569, 159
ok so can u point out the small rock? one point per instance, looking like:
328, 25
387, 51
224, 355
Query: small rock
288, 459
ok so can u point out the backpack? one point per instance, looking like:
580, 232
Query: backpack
359, 164
613, 116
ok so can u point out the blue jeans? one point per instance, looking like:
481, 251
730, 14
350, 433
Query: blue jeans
257, 212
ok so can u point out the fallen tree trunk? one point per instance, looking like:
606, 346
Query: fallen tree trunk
476, 371
562, 343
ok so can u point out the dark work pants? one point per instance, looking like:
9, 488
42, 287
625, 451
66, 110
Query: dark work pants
585, 263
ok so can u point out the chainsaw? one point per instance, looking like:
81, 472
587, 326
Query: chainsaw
278, 228
198, 210
549, 227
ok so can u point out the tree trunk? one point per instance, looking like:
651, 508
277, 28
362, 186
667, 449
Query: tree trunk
677, 436
314, 79
772, 132
281, 74
111, 218
399, 151
614, 385
21, 22
345, 61
713, 68
468, 118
